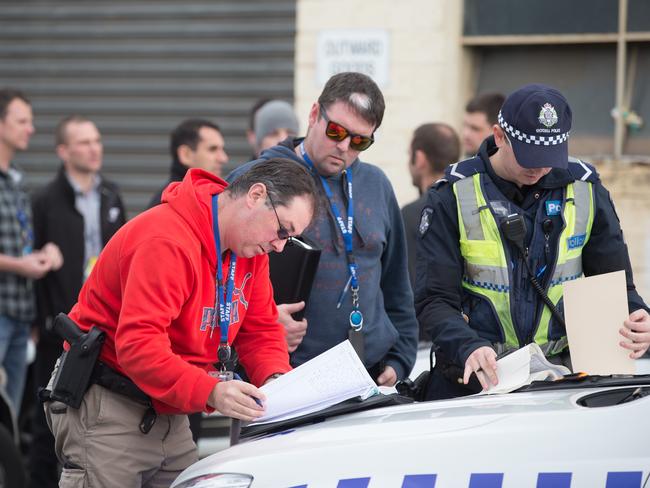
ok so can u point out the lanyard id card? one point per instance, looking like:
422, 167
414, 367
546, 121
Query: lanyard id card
346, 228
89, 266
223, 375
223, 299
356, 339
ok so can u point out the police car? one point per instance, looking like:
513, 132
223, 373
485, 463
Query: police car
591, 432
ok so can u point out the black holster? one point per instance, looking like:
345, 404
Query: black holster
417, 389
454, 373
76, 366
79, 368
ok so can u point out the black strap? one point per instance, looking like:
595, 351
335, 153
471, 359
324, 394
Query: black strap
110, 379
148, 419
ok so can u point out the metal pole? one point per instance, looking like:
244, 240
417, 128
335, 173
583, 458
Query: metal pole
235, 431
619, 128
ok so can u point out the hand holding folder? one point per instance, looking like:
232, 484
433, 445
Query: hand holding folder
292, 273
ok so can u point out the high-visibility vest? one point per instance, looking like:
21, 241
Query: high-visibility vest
487, 272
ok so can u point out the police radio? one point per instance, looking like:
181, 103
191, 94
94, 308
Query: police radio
513, 228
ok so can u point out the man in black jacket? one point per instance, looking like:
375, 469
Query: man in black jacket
79, 211
195, 143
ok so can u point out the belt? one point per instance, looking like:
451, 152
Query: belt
110, 379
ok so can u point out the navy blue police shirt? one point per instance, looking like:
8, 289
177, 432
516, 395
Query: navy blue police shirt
439, 296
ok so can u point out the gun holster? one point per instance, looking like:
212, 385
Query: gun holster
454, 373
73, 376
417, 389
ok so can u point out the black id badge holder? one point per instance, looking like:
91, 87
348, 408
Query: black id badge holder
356, 339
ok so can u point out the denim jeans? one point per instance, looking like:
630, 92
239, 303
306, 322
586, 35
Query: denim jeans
13, 357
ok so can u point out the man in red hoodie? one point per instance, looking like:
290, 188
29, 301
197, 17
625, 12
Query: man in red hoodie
153, 293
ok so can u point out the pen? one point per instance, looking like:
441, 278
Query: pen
345, 290
257, 400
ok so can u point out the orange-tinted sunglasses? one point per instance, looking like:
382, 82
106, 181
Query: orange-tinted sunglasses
338, 133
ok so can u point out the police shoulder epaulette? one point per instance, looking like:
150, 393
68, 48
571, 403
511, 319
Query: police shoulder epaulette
463, 169
582, 171
439, 183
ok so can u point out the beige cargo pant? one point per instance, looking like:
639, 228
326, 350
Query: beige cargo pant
100, 444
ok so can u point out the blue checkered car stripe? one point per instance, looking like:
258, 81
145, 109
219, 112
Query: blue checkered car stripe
614, 479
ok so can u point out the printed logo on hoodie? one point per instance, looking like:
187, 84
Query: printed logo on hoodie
238, 296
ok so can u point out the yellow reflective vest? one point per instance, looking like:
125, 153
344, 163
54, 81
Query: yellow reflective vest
487, 271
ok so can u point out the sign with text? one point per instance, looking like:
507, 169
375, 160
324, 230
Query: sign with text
365, 51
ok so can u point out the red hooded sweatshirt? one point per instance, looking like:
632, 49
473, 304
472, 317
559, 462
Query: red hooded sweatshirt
153, 292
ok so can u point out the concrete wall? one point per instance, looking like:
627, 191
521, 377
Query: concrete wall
425, 64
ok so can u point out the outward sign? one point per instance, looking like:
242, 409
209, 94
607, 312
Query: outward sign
365, 51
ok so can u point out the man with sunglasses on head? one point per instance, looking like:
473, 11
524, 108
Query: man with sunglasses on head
501, 233
361, 290
174, 290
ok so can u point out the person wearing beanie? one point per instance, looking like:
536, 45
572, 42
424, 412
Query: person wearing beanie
194, 143
475, 293
273, 122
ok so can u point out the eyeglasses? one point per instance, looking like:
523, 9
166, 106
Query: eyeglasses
283, 233
338, 133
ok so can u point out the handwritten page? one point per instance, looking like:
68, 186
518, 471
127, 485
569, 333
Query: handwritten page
331, 377
594, 310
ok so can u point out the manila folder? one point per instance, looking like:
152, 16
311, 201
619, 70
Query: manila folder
594, 311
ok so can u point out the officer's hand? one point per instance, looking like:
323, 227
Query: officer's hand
295, 331
236, 399
483, 362
388, 377
637, 329
34, 265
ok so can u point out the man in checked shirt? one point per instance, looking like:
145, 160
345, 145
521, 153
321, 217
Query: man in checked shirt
19, 262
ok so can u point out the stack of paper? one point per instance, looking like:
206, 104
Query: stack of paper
332, 377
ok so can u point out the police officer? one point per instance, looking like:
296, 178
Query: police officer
520, 209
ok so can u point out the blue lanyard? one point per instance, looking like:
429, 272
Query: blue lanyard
223, 299
25, 229
23, 220
346, 230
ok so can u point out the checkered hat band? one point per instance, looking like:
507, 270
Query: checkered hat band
528, 139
